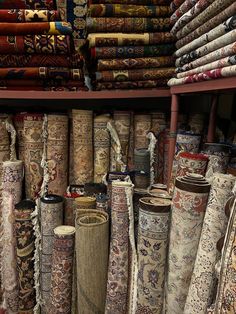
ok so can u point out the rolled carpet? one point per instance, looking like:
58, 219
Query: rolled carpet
191, 163
134, 75
139, 2
126, 10
126, 25
26, 4
123, 39
131, 84
24, 16
48, 28
142, 126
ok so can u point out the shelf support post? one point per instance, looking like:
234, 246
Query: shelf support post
212, 119
173, 132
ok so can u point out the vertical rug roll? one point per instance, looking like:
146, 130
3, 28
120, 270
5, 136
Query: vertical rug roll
12, 176
191, 163
51, 216
142, 125
158, 122
70, 208
19, 126
85, 202
33, 144
214, 227
25, 247
92, 242
71, 150
152, 251
122, 121
188, 209
138, 193
131, 143
120, 284
142, 160
57, 153
62, 270
101, 147
83, 145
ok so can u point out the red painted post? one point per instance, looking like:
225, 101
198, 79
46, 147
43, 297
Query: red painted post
212, 119
173, 131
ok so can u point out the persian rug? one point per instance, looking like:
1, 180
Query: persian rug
71, 150
85, 202
131, 136
216, 55
191, 163
112, 176
220, 42
175, 4
25, 246
208, 25
225, 300
83, 145
24, 16
62, 270
132, 84
138, 194
102, 143
51, 216
48, 28
127, 10
12, 176
102, 203
185, 7
94, 189
158, 122
162, 156
122, 121
228, 71
215, 222
142, 160
122, 269
92, 244
74, 12
18, 123
39, 60
127, 24
133, 74
31, 44
142, 125
214, 33
41, 83
137, 63
216, 164
193, 13
138, 2
57, 153
5, 143
131, 51
208, 13
70, 208
188, 209
121, 39
28, 4
224, 62
153, 230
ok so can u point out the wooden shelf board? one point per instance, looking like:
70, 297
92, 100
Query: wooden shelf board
218, 85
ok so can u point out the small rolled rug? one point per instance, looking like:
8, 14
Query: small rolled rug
138, 194
12, 176
215, 222
62, 270
57, 153
83, 145
153, 231
70, 208
92, 244
85, 202
25, 4
25, 246
51, 215
191, 163
23, 16
101, 147
102, 203
188, 210
223, 151
142, 160
142, 125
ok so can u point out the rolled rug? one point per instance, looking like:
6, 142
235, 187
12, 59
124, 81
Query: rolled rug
188, 209
101, 147
175, 4
102, 203
25, 246
92, 243
18, 122
142, 125
141, 179
132, 84
138, 194
70, 208
113, 176
25, 4
51, 215
12, 176
150, 2
153, 231
85, 202
191, 163
62, 270
83, 145
24, 16
94, 189
201, 288
57, 153
162, 153
142, 160
185, 7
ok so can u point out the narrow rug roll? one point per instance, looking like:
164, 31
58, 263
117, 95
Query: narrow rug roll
191, 163
12, 176
92, 243
51, 214
142, 125
142, 160
101, 147
25, 246
83, 145
57, 153
70, 208
62, 270
214, 227
188, 210
153, 233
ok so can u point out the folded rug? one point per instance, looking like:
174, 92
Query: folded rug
28, 4
187, 5
22, 16
132, 84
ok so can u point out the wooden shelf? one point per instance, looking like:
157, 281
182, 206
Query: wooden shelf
218, 85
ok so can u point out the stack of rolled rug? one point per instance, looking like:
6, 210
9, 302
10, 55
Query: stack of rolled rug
206, 40
130, 45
